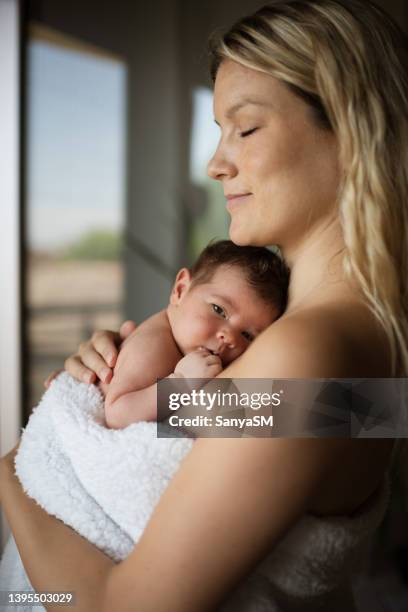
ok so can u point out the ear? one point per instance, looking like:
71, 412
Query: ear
181, 286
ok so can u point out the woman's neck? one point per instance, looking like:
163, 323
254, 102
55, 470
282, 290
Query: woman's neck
317, 268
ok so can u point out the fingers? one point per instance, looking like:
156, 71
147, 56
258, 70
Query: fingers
90, 357
215, 365
51, 377
126, 329
104, 343
213, 360
96, 357
75, 367
209, 358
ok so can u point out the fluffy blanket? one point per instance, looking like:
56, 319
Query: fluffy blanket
105, 484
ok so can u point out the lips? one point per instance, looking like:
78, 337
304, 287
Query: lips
236, 200
236, 196
213, 352
217, 352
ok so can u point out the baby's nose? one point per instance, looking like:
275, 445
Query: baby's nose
227, 337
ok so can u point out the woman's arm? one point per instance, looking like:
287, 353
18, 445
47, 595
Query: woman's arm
227, 506
225, 509
56, 557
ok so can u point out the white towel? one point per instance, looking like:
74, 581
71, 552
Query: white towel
105, 484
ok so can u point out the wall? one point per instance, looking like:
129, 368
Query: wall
10, 384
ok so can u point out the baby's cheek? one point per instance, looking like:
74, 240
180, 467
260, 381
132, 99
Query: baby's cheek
234, 354
201, 329
187, 330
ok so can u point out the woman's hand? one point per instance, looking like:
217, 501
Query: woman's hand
96, 357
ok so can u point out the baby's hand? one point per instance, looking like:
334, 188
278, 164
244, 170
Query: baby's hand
199, 364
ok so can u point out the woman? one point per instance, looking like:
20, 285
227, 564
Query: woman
311, 99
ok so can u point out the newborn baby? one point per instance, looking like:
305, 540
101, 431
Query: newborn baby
216, 309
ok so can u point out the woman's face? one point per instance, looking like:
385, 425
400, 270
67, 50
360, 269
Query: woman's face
278, 168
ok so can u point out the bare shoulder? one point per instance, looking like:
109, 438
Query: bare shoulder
320, 342
157, 323
156, 330
150, 352
328, 342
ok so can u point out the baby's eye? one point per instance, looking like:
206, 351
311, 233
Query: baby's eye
219, 311
248, 336
247, 132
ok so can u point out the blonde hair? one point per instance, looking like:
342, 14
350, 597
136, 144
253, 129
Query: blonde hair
348, 61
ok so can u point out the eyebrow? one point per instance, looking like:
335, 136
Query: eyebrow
236, 107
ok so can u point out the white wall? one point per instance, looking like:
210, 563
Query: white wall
10, 401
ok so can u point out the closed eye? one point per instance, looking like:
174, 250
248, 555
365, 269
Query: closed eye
247, 132
219, 311
248, 336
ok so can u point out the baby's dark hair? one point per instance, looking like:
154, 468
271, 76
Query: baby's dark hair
265, 271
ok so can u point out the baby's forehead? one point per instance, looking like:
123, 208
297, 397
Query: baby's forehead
229, 282
226, 271
233, 283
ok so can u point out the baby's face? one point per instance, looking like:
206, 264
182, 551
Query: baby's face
223, 315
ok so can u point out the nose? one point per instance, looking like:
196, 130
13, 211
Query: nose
220, 166
227, 337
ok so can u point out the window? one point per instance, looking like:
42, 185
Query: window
211, 220
75, 197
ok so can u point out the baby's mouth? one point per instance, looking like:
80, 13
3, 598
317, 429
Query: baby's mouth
218, 352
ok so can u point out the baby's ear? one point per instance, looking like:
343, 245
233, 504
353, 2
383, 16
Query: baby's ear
181, 286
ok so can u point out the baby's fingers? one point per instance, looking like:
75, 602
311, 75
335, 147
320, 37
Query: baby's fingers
213, 360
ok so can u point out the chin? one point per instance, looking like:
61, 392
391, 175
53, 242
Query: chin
239, 236
241, 242
242, 237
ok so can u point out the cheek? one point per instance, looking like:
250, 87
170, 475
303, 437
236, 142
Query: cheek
241, 349
283, 161
298, 173
237, 352
200, 325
